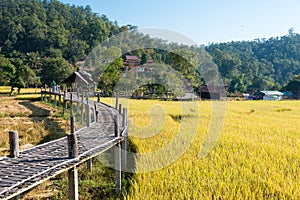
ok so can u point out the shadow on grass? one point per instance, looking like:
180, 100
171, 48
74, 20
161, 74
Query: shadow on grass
41, 114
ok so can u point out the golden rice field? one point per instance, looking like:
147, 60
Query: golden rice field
7, 90
257, 155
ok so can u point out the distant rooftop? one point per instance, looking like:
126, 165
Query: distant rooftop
150, 61
128, 57
269, 93
81, 76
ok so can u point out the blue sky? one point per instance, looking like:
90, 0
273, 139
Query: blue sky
204, 21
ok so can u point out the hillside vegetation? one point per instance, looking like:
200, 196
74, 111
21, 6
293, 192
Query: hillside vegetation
42, 40
258, 65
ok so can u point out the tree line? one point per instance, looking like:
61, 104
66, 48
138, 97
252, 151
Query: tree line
42, 40
262, 64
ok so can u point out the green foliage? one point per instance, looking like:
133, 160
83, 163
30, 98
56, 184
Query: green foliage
109, 78
56, 69
144, 58
40, 25
185, 61
259, 64
34, 32
294, 86
112, 53
7, 71
237, 84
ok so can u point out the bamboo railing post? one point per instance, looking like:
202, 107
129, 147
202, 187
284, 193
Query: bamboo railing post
65, 102
78, 102
73, 153
42, 94
59, 99
98, 97
50, 98
71, 104
123, 116
81, 109
125, 141
120, 108
116, 126
72, 124
45, 97
73, 183
87, 109
54, 99
118, 158
93, 107
89, 165
13, 144
117, 102
72, 140
95, 112
118, 167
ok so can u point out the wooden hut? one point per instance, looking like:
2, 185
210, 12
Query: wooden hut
212, 92
131, 62
80, 81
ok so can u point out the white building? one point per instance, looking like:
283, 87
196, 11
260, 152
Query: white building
272, 95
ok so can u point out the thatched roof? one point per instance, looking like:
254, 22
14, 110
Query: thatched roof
79, 77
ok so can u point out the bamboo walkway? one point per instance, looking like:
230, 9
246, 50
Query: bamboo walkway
42, 162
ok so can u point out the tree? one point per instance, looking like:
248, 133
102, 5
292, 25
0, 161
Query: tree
185, 61
24, 76
110, 77
55, 69
294, 86
144, 58
260, 83
237, 84
19, 83
7, 71
27, 75
112, 53
34, 62
40, 30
